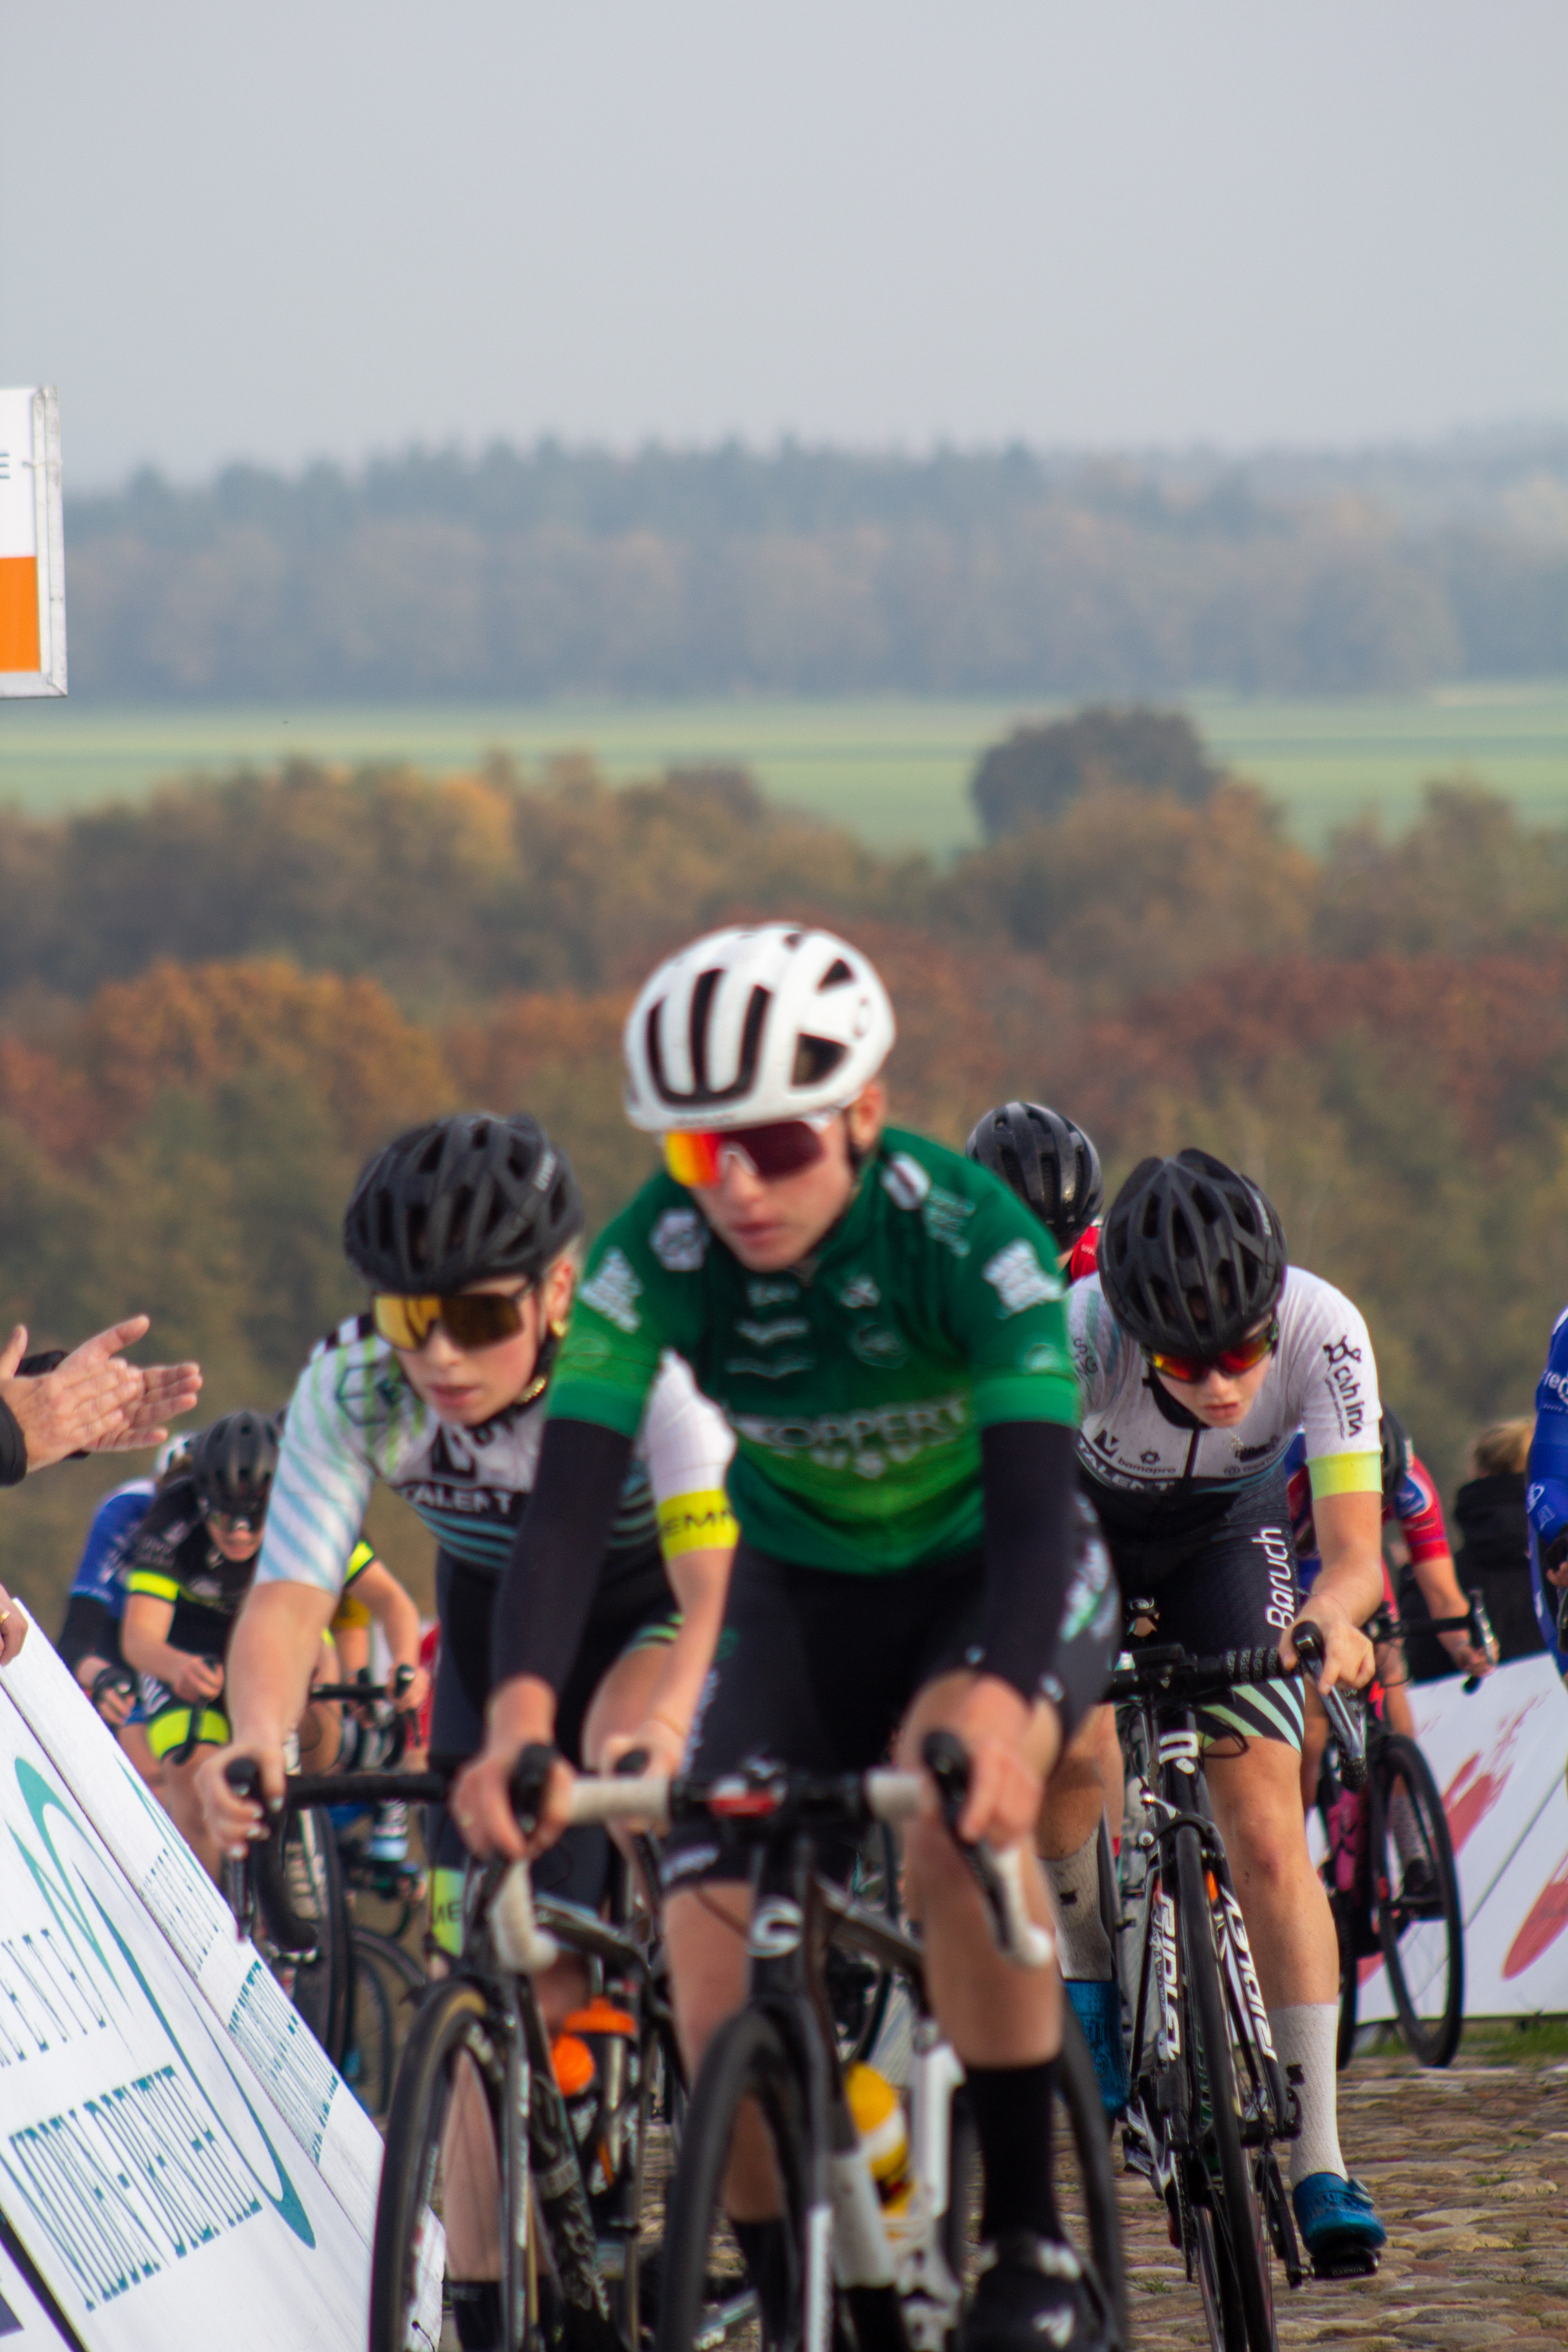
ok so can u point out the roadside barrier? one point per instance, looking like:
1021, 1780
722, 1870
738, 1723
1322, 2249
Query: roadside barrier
178, 2157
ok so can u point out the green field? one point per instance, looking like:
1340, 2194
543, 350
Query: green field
894, 769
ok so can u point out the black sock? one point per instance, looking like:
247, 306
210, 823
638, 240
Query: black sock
1012, 2111
476, 2314
766, 2251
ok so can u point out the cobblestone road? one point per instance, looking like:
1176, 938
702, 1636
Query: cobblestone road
1469, 2170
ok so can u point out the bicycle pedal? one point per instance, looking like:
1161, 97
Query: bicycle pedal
1360, 2264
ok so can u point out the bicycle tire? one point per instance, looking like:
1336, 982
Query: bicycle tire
384, 1982
1245, 2295
1431, 2030
705, 2290
321, 1987
452, 2029
1105, 2270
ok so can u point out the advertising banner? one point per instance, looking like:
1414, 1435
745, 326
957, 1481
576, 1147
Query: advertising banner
1498, 1755
176, 2153
32, 544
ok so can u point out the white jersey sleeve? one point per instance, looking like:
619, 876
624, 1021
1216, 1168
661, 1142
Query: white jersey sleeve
1330, 1372
322, 1485
687, 1444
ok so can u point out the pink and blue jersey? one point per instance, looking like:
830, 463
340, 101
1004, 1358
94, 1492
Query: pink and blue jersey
1416, 1506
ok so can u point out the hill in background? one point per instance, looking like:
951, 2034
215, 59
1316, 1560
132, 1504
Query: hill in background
549, 572
214, 1004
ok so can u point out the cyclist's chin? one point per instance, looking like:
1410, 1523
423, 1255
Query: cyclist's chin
762, 1248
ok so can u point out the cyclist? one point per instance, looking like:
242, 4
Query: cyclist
875, 1316
1201, 1351
90, 1638
467, 1230
1412, 1503
1546, 1498
1050, 1164
191, 1563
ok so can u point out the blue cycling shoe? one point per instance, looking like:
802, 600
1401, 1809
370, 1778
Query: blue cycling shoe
1339, 2225
1098, 2008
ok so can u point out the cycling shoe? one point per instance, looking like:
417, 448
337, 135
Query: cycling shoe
1339, 2226
1029, 2298
1098, 2008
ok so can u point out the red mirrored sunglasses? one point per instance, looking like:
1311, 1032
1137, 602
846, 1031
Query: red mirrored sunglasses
1192, 1369
782, 1148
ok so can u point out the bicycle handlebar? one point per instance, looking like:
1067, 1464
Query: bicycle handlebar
1169, 1672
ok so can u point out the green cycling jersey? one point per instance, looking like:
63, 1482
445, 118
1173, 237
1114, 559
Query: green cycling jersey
857, 1382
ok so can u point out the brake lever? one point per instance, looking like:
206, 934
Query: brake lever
1482, 1636
1347, 1717
243, 1774
1000, 1876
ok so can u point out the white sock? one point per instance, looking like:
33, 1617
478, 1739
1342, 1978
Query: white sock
1084, 1946
1305, 2035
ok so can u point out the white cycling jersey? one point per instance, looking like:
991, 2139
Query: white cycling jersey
1322, 1377
353, 1418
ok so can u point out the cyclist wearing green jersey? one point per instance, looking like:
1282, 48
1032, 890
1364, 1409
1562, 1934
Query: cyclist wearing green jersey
875, 1318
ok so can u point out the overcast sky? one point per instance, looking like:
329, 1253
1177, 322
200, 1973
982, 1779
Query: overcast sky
334, 226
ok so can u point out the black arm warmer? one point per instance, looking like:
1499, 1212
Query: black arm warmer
1029, 1474
548, 1587
91, 1630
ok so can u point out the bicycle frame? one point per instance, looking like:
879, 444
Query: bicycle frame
1161, 2137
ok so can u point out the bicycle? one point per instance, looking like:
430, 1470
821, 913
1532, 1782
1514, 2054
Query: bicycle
1207, 2100
896, 2268
476, 2088
1392, 1880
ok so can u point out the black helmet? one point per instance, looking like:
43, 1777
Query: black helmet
1049, 1163
460, 1200
1395, 1442
233, 1463
1193, 1256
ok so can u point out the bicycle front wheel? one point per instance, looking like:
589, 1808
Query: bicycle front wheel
747, 2103
1419, 1923
1232, 2235
445, 2177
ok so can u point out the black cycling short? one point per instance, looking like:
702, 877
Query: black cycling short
576, 1869
1225, 1580
818, 1669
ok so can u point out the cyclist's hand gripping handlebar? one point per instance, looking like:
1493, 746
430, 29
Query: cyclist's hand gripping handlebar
1479, 1634
1347, 1717
1000, 1876
520, 1942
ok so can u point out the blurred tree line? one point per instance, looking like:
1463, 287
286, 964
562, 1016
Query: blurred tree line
213, 1006
816, 571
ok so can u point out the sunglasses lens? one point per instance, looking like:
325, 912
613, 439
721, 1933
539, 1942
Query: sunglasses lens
693, 1159
783, 1149
481, 1319
1190, 1369
405, 1322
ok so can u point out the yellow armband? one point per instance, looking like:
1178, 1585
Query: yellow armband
350, 1612
1345, 1474
697, 1523
157, 1588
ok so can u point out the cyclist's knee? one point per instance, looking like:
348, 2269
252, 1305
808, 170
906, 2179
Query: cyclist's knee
705, 1938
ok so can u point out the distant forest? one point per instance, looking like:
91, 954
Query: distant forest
554, 570
215, 1004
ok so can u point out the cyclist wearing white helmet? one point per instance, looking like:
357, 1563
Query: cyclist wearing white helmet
885, 1333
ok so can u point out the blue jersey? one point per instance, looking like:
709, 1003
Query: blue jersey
1546, 1496
110, 1540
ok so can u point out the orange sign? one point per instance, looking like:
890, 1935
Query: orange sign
32, 546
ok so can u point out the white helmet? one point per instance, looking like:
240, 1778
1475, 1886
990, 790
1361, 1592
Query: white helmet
746, 1026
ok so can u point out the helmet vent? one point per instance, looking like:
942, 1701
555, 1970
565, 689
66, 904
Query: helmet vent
816, 1058
835, 975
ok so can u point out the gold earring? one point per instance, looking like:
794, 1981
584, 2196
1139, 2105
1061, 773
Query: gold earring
558, 1326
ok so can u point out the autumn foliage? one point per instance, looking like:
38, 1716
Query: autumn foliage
212, 1008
